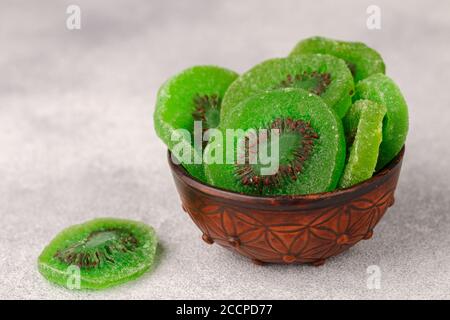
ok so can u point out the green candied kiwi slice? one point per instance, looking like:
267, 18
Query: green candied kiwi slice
324, 75
311, 146
106, 252
363, 126
194, 94
383, 90
362, 60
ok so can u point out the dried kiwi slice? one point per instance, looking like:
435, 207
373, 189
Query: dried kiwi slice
363, 125
104, 251
362, 60
194, 94
311, 145
323, 75
382, 90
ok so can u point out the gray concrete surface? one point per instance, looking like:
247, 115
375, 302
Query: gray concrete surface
77, 140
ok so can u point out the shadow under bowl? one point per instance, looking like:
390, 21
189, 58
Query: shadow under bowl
288, 229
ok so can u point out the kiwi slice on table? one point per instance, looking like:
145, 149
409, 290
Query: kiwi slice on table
383, 90
362, 60
311, 145
195, 94
323, 75
103, 252
363, 125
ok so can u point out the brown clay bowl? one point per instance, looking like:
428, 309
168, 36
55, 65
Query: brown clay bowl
288, 229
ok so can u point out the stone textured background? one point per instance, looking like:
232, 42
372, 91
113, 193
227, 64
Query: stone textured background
77, 139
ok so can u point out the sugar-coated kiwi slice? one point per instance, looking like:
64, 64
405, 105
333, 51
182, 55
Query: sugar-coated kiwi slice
311, 146
323, 75
98, 254
363, 126
362, 60
194, 94
383, 90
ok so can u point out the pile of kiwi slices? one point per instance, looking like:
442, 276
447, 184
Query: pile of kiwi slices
324, 117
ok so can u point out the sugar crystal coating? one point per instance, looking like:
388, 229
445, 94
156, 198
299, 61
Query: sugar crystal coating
193, 94
324, 162
323, 75
363, 129
382, 90
98, 254
362, 60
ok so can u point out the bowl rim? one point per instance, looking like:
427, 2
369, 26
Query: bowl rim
355, 190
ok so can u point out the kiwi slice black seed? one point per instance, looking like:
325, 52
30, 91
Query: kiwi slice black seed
323, 75
99, 254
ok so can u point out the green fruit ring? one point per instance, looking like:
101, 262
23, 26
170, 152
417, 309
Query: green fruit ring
322, 75
382, 90
363, 128
361, 60
312, 145
193, 94
99, 254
